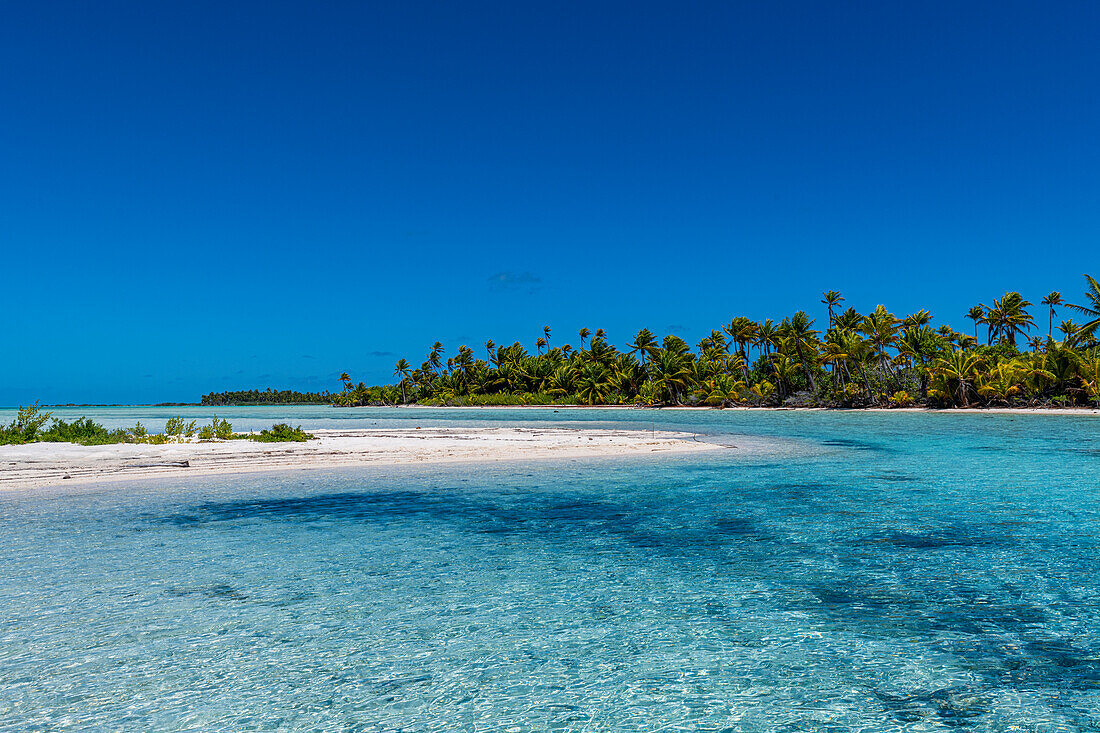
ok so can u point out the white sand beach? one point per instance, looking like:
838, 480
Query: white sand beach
51, 464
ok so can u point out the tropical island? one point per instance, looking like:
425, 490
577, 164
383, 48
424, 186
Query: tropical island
877, 359
266, 397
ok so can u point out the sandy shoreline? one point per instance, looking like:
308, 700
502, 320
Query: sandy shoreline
40, 465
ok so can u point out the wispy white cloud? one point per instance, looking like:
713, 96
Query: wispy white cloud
515, 282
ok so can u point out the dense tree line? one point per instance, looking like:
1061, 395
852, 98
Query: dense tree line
855, 360
267, 397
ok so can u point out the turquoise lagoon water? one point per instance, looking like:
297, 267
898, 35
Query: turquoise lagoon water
850, 572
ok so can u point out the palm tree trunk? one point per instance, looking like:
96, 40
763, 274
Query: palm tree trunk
809, 376
866, 379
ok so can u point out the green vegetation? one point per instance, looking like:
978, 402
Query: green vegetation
266, 397
877, 359
176, 427
218, 428
282, 433
29, 426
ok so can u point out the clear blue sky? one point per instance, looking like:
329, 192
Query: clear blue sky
200, 196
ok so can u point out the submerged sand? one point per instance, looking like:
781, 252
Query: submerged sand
50, 464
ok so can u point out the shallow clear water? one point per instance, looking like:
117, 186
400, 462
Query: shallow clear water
866, 571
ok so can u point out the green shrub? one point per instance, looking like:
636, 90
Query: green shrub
222, 428
26, 425
174, 426
83, 431
282, 433
901, 398
218, 428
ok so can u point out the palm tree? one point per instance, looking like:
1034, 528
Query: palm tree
920, 318
743, 331
920, 343
346, 379
958, 368
881, 329
849, 319
767, 336
434, 357
976, 314
1069, 328
1007, 317
592, 386
670, 372
643, 345
489, 346
546, 333
1052, 301
1092, 294
831, 299
401, 371
583, 333
540, 344
835, 356
803, 339
1001, 384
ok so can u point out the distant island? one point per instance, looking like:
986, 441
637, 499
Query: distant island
267, 397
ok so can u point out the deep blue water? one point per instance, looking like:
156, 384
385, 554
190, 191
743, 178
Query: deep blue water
870, 572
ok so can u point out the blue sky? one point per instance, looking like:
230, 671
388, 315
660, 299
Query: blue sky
203, 196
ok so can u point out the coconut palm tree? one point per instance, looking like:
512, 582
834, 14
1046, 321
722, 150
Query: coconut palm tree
920, 343
1052, 301
1001, 384
803, 340
920, 318
401, 370
743, 331
767, 336
976, 314
831, 299
835, 355
1092, 309
881, 329
643, 345
958, 370
1008, 317
434, 359
583, 333
670, 373
592, 385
